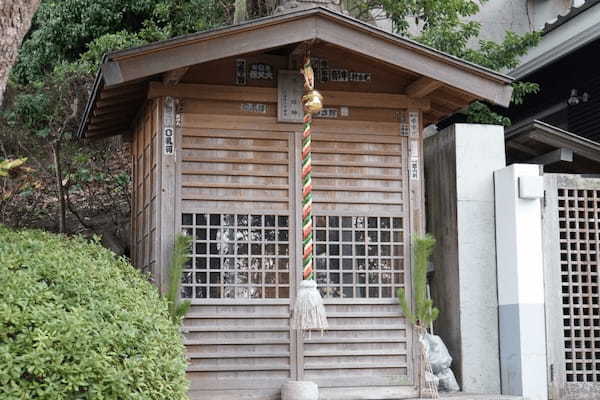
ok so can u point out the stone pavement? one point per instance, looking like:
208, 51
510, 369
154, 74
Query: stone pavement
470, 396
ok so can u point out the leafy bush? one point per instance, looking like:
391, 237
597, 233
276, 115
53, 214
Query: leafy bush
76, 322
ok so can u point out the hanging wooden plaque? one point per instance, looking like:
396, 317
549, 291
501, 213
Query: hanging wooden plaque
290, 88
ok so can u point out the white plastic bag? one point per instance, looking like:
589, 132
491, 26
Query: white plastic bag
439, 357
447, 381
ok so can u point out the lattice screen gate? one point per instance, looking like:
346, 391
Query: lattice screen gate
241, 204
571, 273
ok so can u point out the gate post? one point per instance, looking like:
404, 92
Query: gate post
519, 189
459, 165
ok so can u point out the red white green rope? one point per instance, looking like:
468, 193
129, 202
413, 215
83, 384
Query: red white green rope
307, 234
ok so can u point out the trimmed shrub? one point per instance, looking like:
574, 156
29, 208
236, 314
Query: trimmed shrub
77, 322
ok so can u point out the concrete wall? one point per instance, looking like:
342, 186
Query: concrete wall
498, 16
459, 166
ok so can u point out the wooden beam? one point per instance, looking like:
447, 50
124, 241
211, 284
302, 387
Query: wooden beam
121, 100
269, 95
442, 109
172, 78
124, 116
451, 101
553, 157
521, 147
422, 87
107, 110
581, 146
108, 133
109, 124
122, 91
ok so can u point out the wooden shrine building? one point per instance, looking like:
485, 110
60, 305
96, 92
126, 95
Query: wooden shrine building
215, 122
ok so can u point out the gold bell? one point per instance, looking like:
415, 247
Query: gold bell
313, 102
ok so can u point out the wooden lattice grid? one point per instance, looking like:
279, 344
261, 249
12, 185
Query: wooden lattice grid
359, 256
237, 256
579, 227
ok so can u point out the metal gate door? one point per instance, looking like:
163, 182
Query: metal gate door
571, 270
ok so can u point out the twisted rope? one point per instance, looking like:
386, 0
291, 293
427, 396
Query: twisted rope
307, 234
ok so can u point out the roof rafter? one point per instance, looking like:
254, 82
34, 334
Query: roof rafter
422, 87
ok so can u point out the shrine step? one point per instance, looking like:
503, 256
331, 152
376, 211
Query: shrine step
474, 396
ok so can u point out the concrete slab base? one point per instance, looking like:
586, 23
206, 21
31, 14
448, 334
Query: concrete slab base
473, 396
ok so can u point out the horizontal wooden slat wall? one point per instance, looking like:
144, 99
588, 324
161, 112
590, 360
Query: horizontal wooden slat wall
245, 166
238, 351
145, 182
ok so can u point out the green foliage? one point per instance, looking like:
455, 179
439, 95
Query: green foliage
443, 25
67, 30
424, 312
62, 29
47, 93
179, 258
7, 165
480, 113
522, 89
429, 14
76, 322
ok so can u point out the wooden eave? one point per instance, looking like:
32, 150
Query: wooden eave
124, 75
534, 138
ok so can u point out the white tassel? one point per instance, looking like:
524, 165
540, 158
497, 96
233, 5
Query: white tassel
309, 312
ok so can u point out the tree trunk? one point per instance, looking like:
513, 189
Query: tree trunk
241, 11
62, 214
15, 20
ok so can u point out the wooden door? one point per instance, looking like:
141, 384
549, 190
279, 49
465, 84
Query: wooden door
240, 201
361, 244
572, 289
237, 199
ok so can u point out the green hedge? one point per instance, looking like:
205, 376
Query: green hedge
76, 322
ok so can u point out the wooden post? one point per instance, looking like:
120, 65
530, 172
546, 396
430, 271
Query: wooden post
167, 195
552, 288
416, 213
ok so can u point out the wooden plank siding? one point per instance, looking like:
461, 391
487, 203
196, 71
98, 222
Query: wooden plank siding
236, 168
145, 209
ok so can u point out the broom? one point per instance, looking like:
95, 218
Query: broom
309, 312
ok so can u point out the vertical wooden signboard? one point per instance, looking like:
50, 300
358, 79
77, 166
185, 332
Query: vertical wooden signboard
290, 88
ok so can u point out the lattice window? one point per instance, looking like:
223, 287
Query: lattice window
359, 257
237, 256
579, 227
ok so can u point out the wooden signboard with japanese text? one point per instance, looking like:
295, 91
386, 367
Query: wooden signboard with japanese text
290, 88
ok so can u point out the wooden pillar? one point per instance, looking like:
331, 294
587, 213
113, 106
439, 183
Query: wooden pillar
169, 216
416, 218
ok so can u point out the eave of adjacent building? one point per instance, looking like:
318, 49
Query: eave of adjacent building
568, 34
